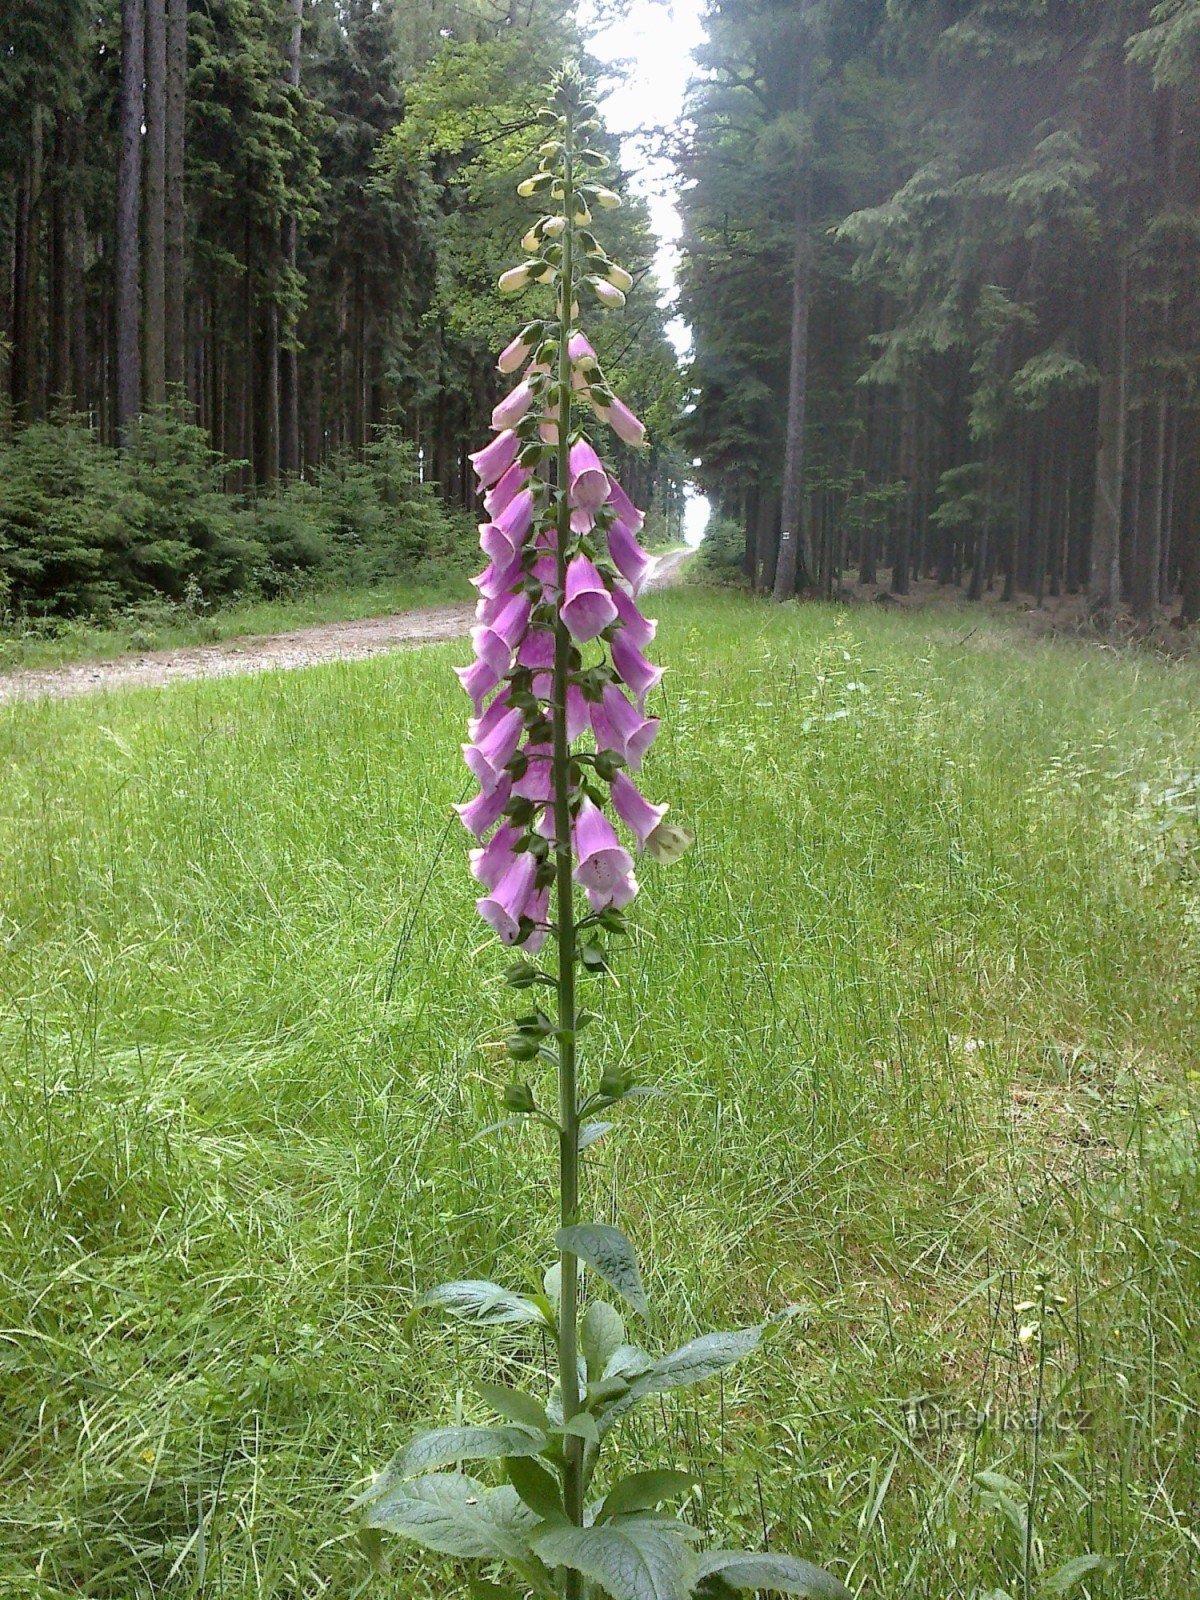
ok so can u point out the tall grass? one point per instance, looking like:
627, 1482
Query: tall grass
922, 1006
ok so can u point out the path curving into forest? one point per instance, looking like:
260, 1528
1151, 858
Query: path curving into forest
279, 652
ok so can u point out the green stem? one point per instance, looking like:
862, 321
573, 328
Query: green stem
568, 1094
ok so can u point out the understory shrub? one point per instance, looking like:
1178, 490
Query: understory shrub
86, 530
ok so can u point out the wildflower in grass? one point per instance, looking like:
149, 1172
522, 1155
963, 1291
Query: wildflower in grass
559, 689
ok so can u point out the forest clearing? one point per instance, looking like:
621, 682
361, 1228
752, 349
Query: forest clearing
920, 1003
505, 1096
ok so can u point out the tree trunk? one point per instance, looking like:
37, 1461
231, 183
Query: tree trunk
1150, 512
794, 567
767, 541
154, 237
175, 315
902, 564
1104, 585
129, 210
289, 355
60, 271
1188, 516
77, 254
27, 277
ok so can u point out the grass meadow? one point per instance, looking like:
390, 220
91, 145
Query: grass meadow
922, 1004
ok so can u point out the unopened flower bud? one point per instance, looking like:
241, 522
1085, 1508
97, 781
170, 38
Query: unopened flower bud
553, 226
514, 280
606, 199
530, 186
582, 215
619, 278
531, 242
607, 293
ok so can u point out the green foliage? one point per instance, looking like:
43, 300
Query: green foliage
85, 530
963, 1072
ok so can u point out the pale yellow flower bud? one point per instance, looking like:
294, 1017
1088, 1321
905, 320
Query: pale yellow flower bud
619, 278
606, 199
514, 280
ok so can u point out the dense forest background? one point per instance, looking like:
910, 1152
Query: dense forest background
941, 266
939, 261
250, 250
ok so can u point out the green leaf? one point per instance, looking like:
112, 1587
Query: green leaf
537, 1487
692, 1363
737, 1569
608, 1252
582, 1426
1072, 1572
477, 1300
592, 1133
514, 1404
644, 1491
638, 1559
601, 1333
457, 1516
442, 1447
699, 1359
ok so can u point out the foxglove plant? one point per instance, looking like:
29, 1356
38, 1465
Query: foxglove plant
559, 689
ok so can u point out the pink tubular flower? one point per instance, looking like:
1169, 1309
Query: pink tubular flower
619, 896
537, 649
626, 511
621, 420
587, 607
604, 863
503, 538
513, 355
495, 642
479, 727
494, 460
579, 348
620, 727
497, 578
587, 478
634, 810
513, 407
639, 628
478, 815
537, 909
578, 710
537, 781
478, 679
635, 670
509, 900
488, 759
513, 481
492, 861
630, 559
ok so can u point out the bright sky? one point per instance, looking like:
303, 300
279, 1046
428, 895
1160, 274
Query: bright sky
650, 49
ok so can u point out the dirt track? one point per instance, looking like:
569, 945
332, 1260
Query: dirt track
330, 641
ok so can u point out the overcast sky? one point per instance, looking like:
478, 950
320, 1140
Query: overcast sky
651, 48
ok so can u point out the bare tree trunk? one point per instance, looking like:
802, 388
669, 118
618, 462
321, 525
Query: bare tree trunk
26, 278
175, 315
1104, 585
901, 566
1148, 558
60, 275
154, 239
289, 354
77, 252
129, 211
794, 566
766, 553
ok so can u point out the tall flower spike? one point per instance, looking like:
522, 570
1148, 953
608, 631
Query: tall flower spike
559, 641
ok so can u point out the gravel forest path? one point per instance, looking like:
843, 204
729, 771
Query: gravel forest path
280, 652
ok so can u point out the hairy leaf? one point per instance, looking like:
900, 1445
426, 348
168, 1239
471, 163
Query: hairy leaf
609, 1253
636, 1559
514, 1404
601, 1334
1073, 1572
442, 1447
537, 1487
457, 1516
699, 1359
722, 1570
643, 1491
477, 1300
